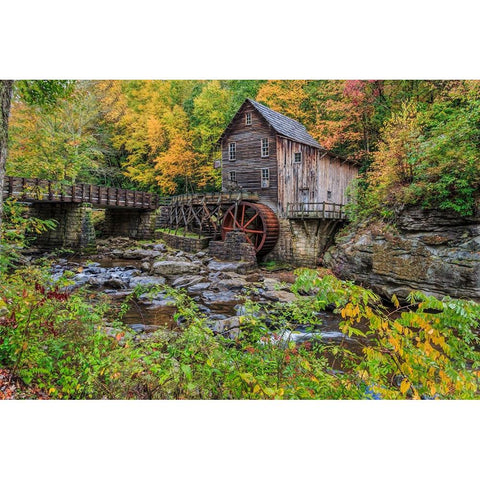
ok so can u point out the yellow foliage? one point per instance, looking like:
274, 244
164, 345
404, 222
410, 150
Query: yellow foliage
404, 386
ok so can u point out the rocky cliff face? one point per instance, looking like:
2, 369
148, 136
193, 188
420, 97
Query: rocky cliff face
432, 251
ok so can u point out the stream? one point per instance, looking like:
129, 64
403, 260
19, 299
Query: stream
214, 286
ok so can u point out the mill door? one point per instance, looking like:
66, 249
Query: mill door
304, 199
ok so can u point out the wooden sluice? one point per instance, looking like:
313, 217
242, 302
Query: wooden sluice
202, 213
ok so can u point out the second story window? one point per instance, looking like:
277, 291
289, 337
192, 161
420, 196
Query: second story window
297, 157
248, 118
265, 152
232, 151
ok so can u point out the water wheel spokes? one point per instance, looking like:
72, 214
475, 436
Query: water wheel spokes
257, 221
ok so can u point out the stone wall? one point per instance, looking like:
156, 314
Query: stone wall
303, 243
187, 244
163, 215
432, 251
137, 224
74, 226
235, 248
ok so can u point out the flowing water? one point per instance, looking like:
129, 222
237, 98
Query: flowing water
147, 314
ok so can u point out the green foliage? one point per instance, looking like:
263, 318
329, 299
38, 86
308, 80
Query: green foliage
49, 337
43, 92
447, 171
58, 341
17, 230
65, 141
428, 155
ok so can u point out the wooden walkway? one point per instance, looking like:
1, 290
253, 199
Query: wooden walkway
35, 190
322, 210
213, 198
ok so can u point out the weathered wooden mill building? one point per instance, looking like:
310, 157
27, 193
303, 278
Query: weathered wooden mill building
302, 183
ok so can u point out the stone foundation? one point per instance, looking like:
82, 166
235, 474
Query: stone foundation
74, 226
187, 244
303, 243
136, 224
236, 248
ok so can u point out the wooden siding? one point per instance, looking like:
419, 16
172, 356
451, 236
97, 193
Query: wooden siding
310, 180
249, 162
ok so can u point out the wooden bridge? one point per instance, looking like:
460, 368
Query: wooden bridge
35, 190
128, 213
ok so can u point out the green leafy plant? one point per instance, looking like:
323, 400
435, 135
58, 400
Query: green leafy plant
17, 230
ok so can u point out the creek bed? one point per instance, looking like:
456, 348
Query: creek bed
112, 276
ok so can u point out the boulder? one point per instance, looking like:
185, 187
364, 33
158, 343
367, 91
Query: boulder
217, 266
254, 278
279, 296
228, 327
237, 283
218, 297
171, 267
145, 267
115, 282
187, 280
198, 287
146, 280
140, 253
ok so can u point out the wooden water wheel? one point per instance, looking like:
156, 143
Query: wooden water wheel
257, 221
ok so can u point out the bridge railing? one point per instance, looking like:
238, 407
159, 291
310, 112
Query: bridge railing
38, 190
316, 210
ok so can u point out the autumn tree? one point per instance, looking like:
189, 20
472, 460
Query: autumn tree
6, 87
39, 92
286, 96
394, 162
64, 142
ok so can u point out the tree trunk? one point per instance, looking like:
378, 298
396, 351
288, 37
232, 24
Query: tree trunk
6, 87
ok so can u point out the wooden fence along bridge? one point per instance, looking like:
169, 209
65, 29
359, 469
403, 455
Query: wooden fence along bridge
35, 190
136, 214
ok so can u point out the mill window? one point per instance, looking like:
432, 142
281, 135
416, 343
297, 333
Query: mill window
265, 178
264, 147
297, 157
248, 118
232, 151
233, 177
329, 195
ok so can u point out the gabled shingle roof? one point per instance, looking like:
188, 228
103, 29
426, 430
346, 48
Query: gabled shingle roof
284, 125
